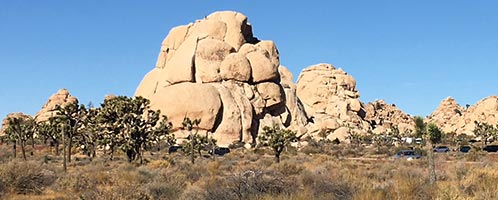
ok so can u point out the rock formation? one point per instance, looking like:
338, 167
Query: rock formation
331, 101
453, 118
61, 98
216, 71
383, 117
5, 121
447, 115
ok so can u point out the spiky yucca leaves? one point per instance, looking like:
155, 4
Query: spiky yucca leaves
195, 143
51, 131
91, 130
20, 129
433, 136
485, 131
70, 118
128, 123
277, 139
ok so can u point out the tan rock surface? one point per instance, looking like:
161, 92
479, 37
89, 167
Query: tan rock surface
453, 118
61, 98
235, 67
230, 128
330, 99
448, 113
262, 67
5, 121
192, 100
271, 93
388, 116
209, 55
215, 70
180, 67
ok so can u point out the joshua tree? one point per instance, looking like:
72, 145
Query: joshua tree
162, 132
19, 130
484, 131
277, 139
90, 132
433, 136
420, 127
129, 124
51, 130
195, 142
72, 117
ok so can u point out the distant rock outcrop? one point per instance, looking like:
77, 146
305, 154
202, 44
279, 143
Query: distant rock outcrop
453, 118
215, 70
5, 121
61, 98
447, 115
384, 117
330, 99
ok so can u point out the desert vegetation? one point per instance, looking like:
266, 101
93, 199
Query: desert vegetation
281, 166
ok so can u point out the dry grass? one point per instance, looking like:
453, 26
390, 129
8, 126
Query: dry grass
331, 172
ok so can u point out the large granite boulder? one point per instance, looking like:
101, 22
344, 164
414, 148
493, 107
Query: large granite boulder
216, 71
61, 98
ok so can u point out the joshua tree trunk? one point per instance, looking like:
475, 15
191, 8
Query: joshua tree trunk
64, 150
23, 149
14, 149
277, 158
141, 154
277, 155
192, 155
432, 167
69, 149
32, 145
57, 148
94, 152
112, 151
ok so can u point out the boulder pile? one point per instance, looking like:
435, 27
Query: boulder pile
5, 121
384, 117
331, 102
61, 98
453, 118
216, 71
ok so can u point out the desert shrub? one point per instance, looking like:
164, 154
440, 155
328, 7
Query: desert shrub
193, 193
324, 187
124, 191
167, 184
250, 184
26, 177
353, 151
193, 172
475, 155
312, 149
371, 194
409, 183
289, 168
159, 164
76, 183
382, 150
163, 190
481, 183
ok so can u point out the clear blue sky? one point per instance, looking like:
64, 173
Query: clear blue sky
410, 53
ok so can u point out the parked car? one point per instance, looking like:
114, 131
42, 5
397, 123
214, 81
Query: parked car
407, 154
491, 148
441, 149
465, 149
174, 148
220, 151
